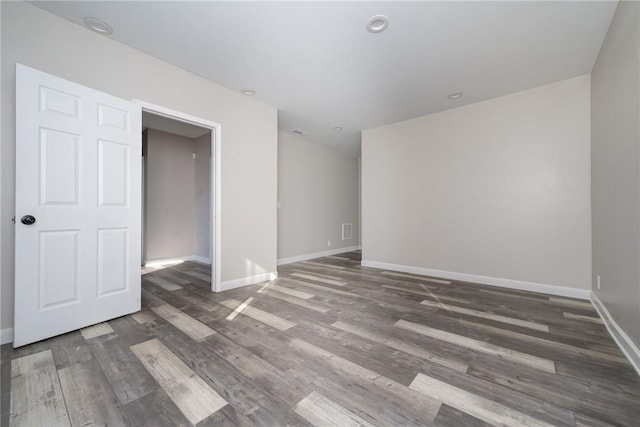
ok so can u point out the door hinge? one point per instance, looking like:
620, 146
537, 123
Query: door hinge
13, 219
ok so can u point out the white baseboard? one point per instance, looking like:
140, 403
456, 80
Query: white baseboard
305, 257
485, 280
246, 281
201, 259
627, 346
161, 261
197, 258
6, 336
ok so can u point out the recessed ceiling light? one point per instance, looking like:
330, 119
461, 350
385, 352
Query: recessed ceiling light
337, 128
248, 92
94, 24
455, 95
377, 24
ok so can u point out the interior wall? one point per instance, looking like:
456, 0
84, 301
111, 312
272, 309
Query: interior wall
318, 192
203, 197
615, 151
498, 189
170, 177
51, 44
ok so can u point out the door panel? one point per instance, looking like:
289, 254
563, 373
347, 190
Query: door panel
78, 157
113, 261
113, 179
59, 167
58, 278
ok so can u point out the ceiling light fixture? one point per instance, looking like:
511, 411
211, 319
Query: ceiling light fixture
337, 128
455, 95
248, 92
98, 26
377, 24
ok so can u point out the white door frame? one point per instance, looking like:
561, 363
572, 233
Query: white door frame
215, 207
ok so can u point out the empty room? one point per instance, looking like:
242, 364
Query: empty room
331, 213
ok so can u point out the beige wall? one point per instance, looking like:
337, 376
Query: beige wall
170, 178
43, 41
615, 151
498, 188
318, 191
203, 196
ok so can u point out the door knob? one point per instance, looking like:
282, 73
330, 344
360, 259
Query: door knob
28, 219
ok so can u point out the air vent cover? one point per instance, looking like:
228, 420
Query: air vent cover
347, 231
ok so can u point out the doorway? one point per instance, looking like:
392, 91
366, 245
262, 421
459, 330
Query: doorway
181, 189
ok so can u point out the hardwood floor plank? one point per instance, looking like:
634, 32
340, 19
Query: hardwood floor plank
451, 417
143, 317
292, 312
424, 407
428, 293
385, 361
149, 300
572, 303
318, 279
271, 286
472, 404
585, 421
406, 347
477, 345
67, 349
126, 375
36, 395
324, 412
548, 344
323, 265
230, 417
579, 396
257, 391
163, 283
5, 386
343, 258
490, 316
175, 277
187, 324
128, 332
198, 301
590, 319
198, 275
96, 331
195, 399
296, 301
155, 410
259, 315
89, 399
356, 395
515, 294
318, 287
277, 383
417, 277
297, 268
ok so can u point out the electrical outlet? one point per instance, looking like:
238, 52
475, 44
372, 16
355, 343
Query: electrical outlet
329, 243
598, 281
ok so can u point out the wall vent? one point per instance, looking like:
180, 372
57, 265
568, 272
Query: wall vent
297, 132
347, 231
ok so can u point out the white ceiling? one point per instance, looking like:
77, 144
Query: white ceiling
317, 63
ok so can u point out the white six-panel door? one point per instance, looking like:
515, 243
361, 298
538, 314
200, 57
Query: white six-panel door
78, 156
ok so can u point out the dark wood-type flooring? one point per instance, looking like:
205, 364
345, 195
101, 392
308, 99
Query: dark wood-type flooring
327, 343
